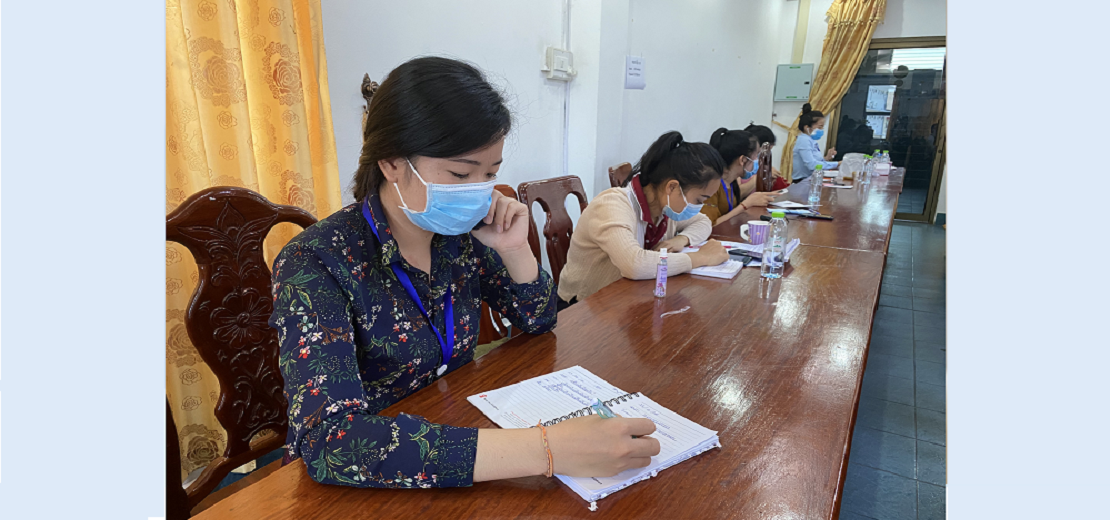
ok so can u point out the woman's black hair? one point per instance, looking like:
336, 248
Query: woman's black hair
433, 107
764, 134
693, 165
809, 116
733, 144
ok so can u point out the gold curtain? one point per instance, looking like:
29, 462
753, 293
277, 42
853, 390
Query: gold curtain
851, 25
246, 105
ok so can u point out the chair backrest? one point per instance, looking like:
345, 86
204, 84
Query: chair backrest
177, 501
490, 326
552, 195
765, 176
227, 319
619, 173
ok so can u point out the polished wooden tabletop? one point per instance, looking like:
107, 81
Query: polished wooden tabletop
863, 215
774, 366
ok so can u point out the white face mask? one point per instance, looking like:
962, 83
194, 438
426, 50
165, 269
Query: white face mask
689, 211
452, 209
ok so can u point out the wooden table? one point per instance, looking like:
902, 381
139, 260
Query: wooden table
863, 216
775, 367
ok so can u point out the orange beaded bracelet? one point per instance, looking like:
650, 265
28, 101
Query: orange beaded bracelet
550, 459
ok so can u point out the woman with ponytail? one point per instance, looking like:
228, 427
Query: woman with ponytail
622, 230
740, 151
807, 155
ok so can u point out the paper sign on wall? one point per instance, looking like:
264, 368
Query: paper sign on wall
634, 72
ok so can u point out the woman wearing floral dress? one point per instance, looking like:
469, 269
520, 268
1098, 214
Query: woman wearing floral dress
382, 298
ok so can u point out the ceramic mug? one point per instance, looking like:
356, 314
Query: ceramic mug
759, 231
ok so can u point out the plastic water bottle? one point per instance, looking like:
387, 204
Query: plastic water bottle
815, 181
865, 172
882, 164
774, 248
661, 274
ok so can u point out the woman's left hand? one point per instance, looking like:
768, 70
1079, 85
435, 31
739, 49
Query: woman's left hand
506, 226
674, 244
760, 199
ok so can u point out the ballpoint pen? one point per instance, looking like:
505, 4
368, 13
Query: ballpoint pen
602, 410
605, 412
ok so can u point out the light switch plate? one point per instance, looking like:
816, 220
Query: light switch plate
559, 65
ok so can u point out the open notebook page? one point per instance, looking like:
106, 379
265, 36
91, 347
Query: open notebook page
543, 398
552, 397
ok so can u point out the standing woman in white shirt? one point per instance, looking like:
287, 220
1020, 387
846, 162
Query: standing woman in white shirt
807, 155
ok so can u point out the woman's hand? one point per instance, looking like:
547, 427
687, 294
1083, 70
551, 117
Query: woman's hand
830, 153
506, 231
760, 199
594, 447
674, 244
712, 253
506, 226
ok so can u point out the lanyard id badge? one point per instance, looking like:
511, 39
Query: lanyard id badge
445, 348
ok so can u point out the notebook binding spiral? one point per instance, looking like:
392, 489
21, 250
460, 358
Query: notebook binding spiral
589, 409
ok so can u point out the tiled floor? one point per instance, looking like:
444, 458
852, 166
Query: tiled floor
912, 200
896, 469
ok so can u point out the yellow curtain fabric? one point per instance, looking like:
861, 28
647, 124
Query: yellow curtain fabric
246, 105
851, 25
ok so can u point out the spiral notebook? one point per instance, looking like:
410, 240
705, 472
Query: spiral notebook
568, 393
728, 270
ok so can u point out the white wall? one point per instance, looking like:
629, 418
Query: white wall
506, 39
913, 18
708, 64
786, 112
602, 122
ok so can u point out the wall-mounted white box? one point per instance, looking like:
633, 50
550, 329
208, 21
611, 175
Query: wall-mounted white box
793, 81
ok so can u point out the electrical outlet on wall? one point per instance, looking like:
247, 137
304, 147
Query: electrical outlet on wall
559, 65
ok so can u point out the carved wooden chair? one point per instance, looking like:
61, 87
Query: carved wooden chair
619, 173
552, 195
765, 177
490, 326
227, 321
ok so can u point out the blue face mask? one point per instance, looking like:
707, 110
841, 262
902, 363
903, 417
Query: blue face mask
817, 133
747, 175
452, 209
688, 213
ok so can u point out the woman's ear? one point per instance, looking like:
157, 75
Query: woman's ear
673, 185
393, 169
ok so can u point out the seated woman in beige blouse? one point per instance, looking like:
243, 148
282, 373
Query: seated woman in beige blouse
622, 230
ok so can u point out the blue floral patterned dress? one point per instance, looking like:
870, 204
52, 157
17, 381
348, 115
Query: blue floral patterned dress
353, 343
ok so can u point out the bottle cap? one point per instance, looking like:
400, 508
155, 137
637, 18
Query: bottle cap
663, 253
886, 151
778, 214
818, 166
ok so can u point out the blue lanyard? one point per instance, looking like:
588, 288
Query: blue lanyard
445, 348
728, 194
